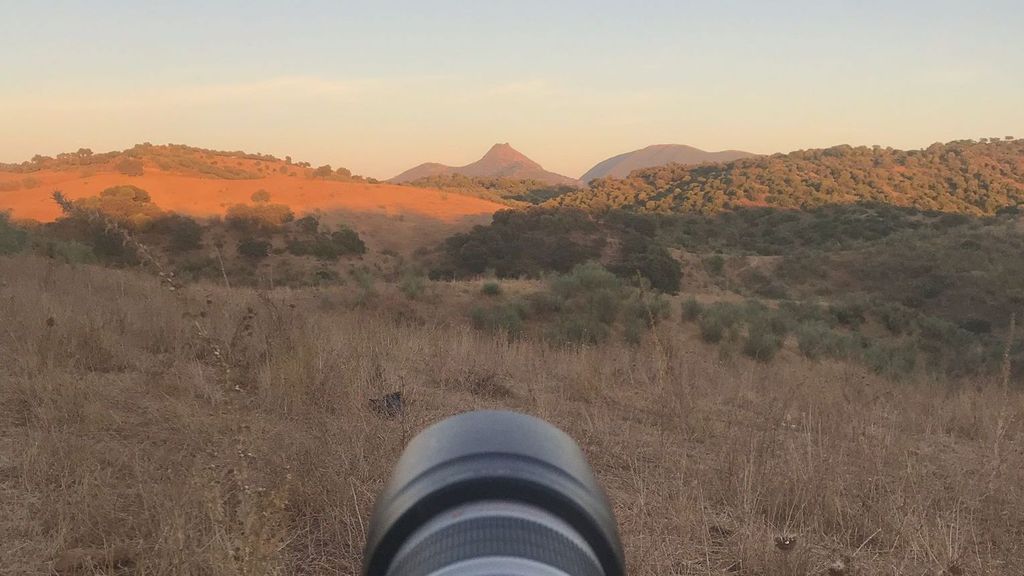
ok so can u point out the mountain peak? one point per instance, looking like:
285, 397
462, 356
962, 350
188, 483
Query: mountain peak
503, 154
501, 161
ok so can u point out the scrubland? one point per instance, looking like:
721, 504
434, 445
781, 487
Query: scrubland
207, 430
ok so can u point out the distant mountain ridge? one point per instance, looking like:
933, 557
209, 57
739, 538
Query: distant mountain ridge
501, 161
658, 155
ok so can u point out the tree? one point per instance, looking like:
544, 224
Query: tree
126, 192
130, 167
253, 249
323, 171
308, 224
12, 238
261, 218
348, 241
127, 204
260, 196
184, 234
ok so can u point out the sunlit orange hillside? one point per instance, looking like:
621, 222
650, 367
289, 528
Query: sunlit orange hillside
204, 183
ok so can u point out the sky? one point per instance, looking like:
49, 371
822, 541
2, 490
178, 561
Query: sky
381, 86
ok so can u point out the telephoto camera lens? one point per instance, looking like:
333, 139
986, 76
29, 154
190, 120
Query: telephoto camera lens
491, 493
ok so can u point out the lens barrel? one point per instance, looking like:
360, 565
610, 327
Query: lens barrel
492, 492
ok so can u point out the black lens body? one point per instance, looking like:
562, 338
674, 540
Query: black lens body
492, 484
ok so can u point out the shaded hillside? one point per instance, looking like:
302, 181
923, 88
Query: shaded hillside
535, 241
961, 176
510, 191
501, 161
897, 289
658, 155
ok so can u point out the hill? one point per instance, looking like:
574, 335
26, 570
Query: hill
501, 161
962, 176
201, 182
658, 155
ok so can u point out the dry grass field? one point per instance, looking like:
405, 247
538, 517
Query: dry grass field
210, 431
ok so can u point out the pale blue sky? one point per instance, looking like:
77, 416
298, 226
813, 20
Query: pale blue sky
381, 86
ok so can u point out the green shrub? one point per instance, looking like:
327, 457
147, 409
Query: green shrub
714, 264
930, 286
578, 329
896, 318
590, 289
413, 285
641, 257
505, 318
194, 266
718, 321
129, 205
12, 238
816, 340
976, 325
762, 342
544, 303
650, 308
848, 313
772, 290
802, 312
691, 309
253, 249
69, 252
894, 360
491, 289
183, 233
126, 192
641, 313
324, 245
307, 224
259, 218
347, 241
367, 287
130, 167
331, 276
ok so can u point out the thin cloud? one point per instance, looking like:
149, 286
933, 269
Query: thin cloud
520, 89
288, 88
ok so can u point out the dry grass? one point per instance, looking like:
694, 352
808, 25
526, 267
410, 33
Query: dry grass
216, 431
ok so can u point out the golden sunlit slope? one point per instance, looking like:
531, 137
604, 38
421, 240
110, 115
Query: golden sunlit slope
205, 183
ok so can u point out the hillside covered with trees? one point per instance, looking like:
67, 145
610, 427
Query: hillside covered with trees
966, 176
178, 158
509, 191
